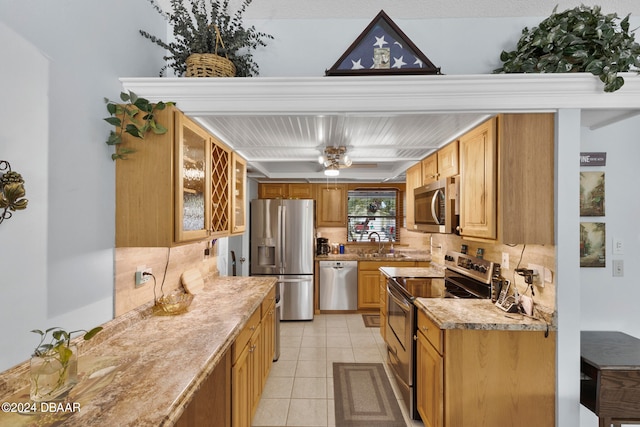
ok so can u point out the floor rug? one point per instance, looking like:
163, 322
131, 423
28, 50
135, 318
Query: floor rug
364, 397
371, 320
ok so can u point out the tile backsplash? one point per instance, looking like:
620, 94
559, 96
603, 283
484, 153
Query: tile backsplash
167, 265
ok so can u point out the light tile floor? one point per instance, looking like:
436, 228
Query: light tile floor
299, 390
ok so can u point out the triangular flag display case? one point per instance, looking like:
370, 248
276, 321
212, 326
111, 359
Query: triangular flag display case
382, 49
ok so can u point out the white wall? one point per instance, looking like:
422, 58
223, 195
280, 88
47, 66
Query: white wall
60, 59
607, 302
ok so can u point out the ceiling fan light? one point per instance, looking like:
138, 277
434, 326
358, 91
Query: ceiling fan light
321, 159
347, 160
332, 171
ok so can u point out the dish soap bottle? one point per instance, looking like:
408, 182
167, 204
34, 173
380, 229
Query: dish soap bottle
391, 250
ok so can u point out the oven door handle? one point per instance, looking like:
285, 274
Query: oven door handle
401, 302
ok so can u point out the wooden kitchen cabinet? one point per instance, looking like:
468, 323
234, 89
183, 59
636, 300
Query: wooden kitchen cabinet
246, 379
252, 355
163, 188
507, 174
211, 404
369, 277
238, 194
220, 189
439, 165
429, 383
413, 179
268, 324
484, 378
277, 190
176, 187
478, 185
331, 206
442, 164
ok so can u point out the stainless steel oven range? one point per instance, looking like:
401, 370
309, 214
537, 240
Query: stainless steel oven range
465, 277
400, 332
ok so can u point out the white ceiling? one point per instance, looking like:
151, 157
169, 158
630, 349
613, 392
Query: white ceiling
381, 146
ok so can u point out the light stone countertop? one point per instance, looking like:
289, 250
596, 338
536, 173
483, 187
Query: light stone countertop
453, 313
160, 361
434, 271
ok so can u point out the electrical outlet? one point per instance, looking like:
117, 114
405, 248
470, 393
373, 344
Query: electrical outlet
538, 274
142, 275
618, 246
618, 268
505, 261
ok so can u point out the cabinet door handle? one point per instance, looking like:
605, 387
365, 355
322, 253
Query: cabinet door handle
424, 328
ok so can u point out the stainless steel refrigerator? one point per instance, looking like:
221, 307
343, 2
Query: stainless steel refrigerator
282, 245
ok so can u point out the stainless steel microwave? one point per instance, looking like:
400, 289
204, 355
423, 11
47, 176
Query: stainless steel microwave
434, 207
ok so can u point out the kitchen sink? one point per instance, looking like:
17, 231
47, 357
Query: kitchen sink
377, 255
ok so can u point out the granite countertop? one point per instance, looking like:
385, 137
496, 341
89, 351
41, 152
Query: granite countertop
370, 257
452, 313
435, 271
144, 369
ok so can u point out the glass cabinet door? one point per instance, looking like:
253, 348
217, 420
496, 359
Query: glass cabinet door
239, 182
193, 188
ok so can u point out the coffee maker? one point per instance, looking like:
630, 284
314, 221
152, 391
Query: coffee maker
322, 246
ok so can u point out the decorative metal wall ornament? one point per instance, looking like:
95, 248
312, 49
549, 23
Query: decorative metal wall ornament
12, 191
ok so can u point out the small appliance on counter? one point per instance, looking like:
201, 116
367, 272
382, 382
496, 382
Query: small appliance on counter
322, 246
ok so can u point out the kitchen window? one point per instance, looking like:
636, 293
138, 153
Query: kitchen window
371, 211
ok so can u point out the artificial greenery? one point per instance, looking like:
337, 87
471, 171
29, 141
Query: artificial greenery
194, 25
133, 115
581, 39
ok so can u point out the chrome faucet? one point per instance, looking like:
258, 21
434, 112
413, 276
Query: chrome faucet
379, 240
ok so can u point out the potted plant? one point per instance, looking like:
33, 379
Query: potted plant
53, 369
581, 39
206, 27
133, 115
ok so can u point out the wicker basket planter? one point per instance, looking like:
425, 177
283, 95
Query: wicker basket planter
209, 65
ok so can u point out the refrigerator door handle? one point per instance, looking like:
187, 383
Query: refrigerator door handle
279, 226
283, 237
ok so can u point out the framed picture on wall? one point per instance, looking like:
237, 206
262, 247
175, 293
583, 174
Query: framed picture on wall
591, 193
592, 244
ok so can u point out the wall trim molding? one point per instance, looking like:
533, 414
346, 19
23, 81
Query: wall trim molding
489, 93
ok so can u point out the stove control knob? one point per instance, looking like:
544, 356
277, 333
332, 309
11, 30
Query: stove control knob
482, 269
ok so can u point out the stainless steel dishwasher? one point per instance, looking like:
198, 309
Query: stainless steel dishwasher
338, 285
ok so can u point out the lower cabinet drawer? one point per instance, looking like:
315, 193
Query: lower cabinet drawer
430, 330
245, 334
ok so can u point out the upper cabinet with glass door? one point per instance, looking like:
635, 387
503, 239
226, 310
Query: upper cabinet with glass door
238, 194
193, 186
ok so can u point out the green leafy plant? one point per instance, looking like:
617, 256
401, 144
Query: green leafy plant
60, 340
194, 25
581, 39
52, 372
133, 115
